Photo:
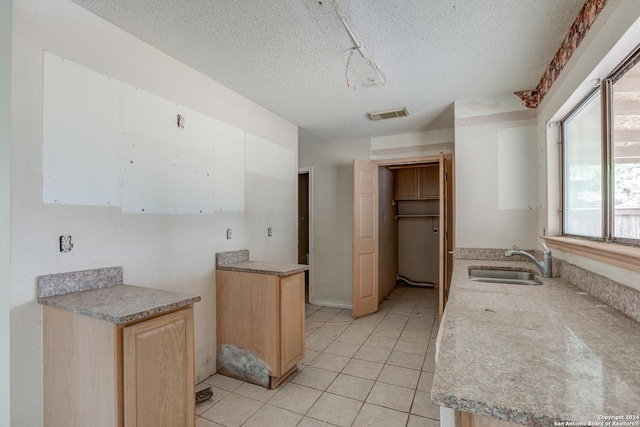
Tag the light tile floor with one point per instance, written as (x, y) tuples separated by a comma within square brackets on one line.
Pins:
[(373, 371)]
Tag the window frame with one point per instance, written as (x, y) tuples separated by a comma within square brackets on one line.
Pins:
[(605, 89)]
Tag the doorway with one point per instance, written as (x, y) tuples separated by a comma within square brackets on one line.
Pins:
[(417, 201), (426, 183), (304, 211)]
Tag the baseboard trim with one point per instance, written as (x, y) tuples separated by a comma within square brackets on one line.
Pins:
[(326, 303)]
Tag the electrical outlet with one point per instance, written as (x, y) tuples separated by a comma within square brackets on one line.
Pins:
[(269, 232), (228, 233), (65, 243)]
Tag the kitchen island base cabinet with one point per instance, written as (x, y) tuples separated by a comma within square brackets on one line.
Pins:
[(99, 373), (262, 317)]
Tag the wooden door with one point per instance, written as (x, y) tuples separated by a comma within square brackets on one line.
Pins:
[(303, 218), (159, 387), (291, 321), (365, 238), (303, 226), (449, 218), (446, 230)]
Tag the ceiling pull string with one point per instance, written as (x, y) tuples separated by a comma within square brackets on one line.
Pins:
[(346, 71)]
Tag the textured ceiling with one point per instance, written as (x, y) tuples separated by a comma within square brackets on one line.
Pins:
[(291, 56)]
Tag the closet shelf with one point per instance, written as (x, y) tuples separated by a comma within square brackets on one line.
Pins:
[(417, 216)]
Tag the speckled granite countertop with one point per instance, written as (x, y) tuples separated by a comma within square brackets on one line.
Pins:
[(535, 355), (239, 261), (99, 293), (271, 268)]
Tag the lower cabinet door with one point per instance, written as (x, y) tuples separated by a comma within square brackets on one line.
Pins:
[(158, 371), (291, 321), (473, 420)]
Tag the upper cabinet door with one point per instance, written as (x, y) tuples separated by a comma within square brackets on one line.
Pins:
[(417, 183), (428, 182), (406, 183)]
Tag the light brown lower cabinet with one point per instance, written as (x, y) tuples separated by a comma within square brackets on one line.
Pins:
[(262, 314), (97, 373), (473, 420)]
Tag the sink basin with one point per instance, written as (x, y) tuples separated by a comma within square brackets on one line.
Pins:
[(509, 277)]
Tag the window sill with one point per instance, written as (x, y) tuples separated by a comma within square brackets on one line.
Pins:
[(619, 255)]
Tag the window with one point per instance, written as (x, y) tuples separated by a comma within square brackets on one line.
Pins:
[(601, 160), (626, 154), (583, 170)]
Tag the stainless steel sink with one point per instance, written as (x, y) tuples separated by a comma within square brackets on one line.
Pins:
[(509, 277)]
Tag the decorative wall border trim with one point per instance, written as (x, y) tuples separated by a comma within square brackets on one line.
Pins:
[(581, 26)]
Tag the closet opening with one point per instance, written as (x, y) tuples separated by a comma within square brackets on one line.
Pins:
[(412, 251), (418, 214), (402, 228)]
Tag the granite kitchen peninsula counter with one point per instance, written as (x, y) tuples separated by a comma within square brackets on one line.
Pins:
[(101, 294), (239, 261), (535, 355)]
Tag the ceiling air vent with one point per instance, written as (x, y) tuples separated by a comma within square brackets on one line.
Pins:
[(388, 114)]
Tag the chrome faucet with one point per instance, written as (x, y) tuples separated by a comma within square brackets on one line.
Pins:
[(544, 265)]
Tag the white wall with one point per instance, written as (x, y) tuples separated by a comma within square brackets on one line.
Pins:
[(414, 144), (5, 137), (331, 255), (173, 252), (496, 178), (614, 35)]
